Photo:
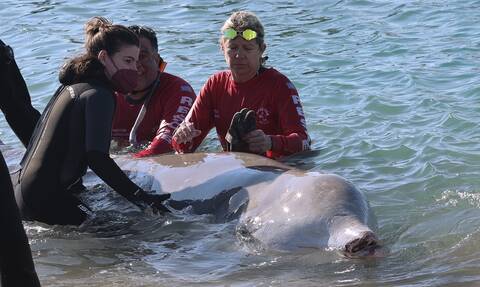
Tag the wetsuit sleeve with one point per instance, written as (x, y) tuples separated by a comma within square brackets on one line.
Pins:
[(111, 174), (99, 110), (202, 117), (15, 100), (294, 137), (98, 115), (180, 99)]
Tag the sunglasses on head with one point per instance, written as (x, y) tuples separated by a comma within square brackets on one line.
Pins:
[(247, 34)]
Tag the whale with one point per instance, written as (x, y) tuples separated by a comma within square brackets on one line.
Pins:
[(276, 206)]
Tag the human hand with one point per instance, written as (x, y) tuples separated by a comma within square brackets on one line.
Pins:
[(242, 123), (185, 132), (146, 200), (258, 141)]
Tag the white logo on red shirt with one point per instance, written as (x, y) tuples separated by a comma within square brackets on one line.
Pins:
[(187, 101), (298, 105), (306, 144), (262, 116), (182, 111), (186, 88), (291, 86)]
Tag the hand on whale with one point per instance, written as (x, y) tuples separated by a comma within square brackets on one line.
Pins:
[(185, 133), (146, 200)]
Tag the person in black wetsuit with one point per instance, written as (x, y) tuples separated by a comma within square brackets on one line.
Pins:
[(15, 102), (16, 264), (74, 131)]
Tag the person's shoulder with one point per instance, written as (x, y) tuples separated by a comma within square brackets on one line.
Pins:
[(274, 73), (221, 76), (217, 79), (90, 86), (167, 77), (279, 78), (174, 83), (93, 89)]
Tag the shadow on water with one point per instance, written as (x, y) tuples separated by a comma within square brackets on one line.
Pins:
[(43, 6)]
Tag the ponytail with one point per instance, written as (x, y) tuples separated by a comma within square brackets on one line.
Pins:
[(100, 34)]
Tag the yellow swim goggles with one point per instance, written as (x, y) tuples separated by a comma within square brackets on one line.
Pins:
[(247, 34)]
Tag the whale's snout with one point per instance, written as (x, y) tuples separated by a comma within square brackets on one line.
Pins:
[(367, 245)]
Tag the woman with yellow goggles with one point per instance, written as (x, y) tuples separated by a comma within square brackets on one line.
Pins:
[(274, 126), (247, 34)]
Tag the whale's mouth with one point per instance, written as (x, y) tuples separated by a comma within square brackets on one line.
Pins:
[(367, 245)]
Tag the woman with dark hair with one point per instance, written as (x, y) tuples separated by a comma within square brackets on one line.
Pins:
[(74, 131)]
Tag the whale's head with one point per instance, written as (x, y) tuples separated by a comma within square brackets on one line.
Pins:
[(320, 211)]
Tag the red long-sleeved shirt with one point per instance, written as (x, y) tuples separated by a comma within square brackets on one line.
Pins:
[(167, 108), (270, 94)]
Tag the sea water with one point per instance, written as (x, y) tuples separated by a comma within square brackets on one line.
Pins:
[(390, 91)]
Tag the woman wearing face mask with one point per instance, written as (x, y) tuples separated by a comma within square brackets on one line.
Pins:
[(74, 131), (280, 127)]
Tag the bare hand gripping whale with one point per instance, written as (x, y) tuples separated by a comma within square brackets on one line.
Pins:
[(278, 206)]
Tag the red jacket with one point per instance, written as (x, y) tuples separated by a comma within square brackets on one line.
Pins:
[(271, 95), (167, 108)]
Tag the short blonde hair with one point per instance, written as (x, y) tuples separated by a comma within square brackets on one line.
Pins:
[(242, 20)]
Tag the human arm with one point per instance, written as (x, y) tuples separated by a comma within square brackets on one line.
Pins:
[(111, 174), (98, 116), (294, 137), (179, 99), (15, 102), (290, 134), (198, 122)]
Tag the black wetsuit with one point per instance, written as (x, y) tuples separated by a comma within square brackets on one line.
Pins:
[(73, 133), (15, 100), (16, 264)]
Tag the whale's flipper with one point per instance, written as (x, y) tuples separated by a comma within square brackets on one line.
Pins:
[(225, 206)]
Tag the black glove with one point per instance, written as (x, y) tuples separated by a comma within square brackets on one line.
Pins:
[(155, 201), (242, 123)]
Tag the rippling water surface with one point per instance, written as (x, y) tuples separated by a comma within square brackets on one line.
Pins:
[(391, 94)]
